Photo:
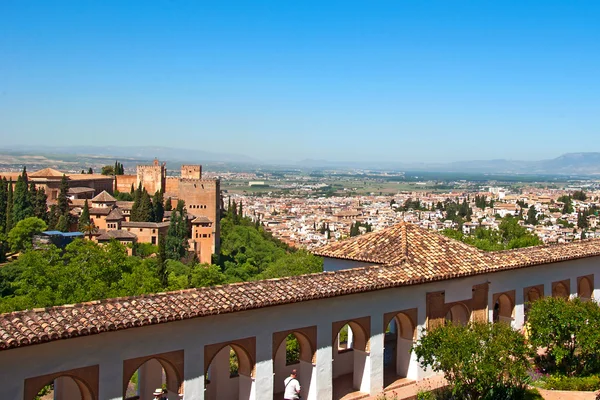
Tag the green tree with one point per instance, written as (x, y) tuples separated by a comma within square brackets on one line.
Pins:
[(168, 205), (177, 235), (580, 195), (144, 211), (62, 224), (88, 228), (19, 237), (84, 218), (62, 201), (479, 361), (90, 171), (158, 206), (297, 263), (9, 206), (22, 206), (569, 330), (203, 275), (108, 170), (161, 258), (3, 204), (40, 203), (532, 216)]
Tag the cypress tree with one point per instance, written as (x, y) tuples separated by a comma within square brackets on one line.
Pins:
[(3, 205), (241, 212), (90, 171), (40, 203), (62, 224), (84, 218), (168, 205), (22, 206), (175, 243), (158, 205), (63, 200), (132, 191), (52, 217), (146, 212)]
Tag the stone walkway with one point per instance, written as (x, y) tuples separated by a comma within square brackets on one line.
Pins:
[(564, 395)]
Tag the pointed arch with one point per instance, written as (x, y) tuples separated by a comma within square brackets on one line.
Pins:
[(458, 313), (86, 379), (171, 363), (585, 287), (561, 289)]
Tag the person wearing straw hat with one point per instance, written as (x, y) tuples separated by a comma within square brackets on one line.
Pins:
[(158, 394)]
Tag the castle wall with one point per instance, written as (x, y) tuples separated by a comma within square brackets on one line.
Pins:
[(124, 183), (172, 184), (152, 177), (191, 171)]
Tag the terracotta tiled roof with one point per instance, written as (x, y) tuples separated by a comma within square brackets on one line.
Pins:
[(46, 173), (100, 210), (201, 219), (404, 242), (116, 234), (140, 224), (104, 197), (415, 256), (114, 215), (125, 205)]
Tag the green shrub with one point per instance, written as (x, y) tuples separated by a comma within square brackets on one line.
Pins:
[(570, 331), (562, 382), (479, 361)]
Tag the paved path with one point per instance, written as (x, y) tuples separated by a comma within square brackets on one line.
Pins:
[(564, 395)]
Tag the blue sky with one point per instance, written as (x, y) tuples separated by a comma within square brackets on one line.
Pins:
[(287, 80)]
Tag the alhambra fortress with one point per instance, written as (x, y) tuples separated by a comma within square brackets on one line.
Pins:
[(202, 199), (381, 289)]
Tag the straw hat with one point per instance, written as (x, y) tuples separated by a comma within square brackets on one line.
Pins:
[(158, 392)]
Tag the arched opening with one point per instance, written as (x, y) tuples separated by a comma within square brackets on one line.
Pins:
[(398, 342), (229, 374), (503, 309), (532, 295), (64, 387), (458, 314), (152, 376), (294, 352), (350, 360), (560, 290), (585, 289)]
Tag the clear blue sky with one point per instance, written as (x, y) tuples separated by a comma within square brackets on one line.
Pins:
[(286, 80)]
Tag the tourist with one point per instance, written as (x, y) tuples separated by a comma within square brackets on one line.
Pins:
[(158, 394), (292, 387)]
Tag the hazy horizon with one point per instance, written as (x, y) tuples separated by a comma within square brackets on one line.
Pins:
[(430, 81)]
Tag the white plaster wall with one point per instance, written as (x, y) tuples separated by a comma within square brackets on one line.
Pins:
[(403, 356), (221, 385), (65, 388), (282, 371), (337, 264), (343, 363), (110, 349)]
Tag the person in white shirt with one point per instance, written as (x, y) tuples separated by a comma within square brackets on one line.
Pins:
[(292, 387)]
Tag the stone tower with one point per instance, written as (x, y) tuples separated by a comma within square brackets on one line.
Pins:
[(191, 172), (152, 177)]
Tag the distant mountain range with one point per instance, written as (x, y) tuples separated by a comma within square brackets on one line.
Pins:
[(566, 164), (138, 153)]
